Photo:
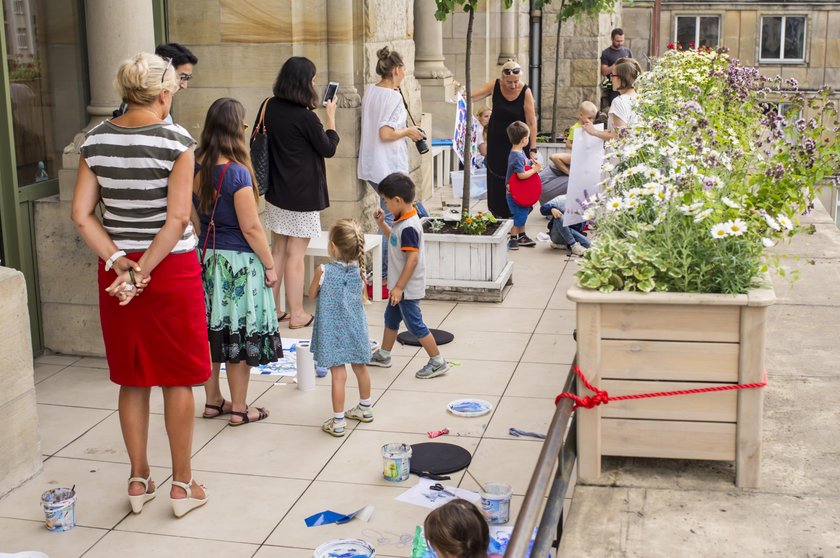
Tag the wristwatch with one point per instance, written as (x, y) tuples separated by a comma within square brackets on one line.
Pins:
[(109, 263)]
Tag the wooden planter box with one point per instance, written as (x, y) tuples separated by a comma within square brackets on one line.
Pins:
[(629, 343), (468, 267)]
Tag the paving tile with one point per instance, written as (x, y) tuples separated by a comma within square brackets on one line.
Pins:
[(359, 460), (101, 490), (557, 322), (540, 380), (375, 332), (267, 551), (524, 413), (289, 405), (505, 320), (552, 349), (79, 387), (59, 425), (143, 545), (63, 360), (242, 508), (19, 535), (380, 378), (256, 388), (480, 377), (420, 412), (44, 371), (390, 530), (524, 297), (104, 442), (92, 362), (509, 461), (274, 450), (487, 345)]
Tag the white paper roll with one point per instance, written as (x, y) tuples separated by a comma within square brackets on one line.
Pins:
[(305, 367)]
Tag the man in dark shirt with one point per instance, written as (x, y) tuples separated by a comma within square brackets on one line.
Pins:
[(609, 57)]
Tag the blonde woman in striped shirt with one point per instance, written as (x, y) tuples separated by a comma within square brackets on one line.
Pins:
[(140, 168)]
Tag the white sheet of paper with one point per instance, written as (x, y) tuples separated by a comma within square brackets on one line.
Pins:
[(421, 495), (585, 173)]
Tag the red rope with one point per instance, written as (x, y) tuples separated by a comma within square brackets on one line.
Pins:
[(601, 397)]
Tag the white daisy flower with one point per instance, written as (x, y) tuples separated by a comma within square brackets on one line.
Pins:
[(729, 203), (702, 215), (631, 203), (588, 214), (785, 221), (614, 204), (736, 227), (719, 230), (772, 223), (767, 242)]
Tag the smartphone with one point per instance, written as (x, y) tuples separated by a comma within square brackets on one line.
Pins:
[(332, 88)]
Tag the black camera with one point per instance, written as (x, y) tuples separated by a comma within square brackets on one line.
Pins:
[(421, 144)]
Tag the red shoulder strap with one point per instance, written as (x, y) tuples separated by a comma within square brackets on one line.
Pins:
[(212, 225)]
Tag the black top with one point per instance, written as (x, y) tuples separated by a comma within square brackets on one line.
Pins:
[(610, 55), (504, 114), (297, 146)]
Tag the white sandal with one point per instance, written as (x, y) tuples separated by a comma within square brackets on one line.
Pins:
[(183, 506), (139, 500)]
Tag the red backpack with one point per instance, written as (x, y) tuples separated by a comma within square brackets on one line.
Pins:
[(525, 192)]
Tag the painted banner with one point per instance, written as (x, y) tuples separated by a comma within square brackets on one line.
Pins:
[(459, 136), (584, 175)]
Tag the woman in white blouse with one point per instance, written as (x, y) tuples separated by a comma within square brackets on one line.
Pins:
[(382, 149), (623, 108)]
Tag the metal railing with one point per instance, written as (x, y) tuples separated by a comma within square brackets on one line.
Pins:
[(560, 445)]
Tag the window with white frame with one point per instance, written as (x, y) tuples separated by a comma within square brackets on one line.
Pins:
[(19, 7), (782, 39), (697, 31), (22, 38)]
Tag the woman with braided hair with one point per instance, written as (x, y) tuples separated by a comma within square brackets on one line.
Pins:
[(340, 335)]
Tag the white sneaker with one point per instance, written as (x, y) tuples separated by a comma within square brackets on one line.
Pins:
[(577, 249)]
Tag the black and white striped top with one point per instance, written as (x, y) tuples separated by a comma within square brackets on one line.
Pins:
[(132, 166)]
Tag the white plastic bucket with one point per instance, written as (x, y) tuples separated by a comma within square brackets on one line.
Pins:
[(478, 184), (396, 462), (59, 506), (495, 501)]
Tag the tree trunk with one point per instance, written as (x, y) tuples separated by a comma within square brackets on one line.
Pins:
[(465, 198), (556, 75)]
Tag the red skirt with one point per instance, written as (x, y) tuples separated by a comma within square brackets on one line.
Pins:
[(160, 337)]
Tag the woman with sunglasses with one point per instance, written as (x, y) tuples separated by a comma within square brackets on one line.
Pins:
[(512, 101)]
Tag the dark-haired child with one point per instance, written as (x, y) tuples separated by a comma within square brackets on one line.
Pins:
[(519, 135), (457, 530)]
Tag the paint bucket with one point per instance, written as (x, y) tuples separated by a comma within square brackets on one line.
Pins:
[(396, 462), (495, 501), (59, 508)]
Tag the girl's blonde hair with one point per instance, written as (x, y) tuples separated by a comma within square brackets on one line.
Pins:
[(142, 78), (478, 114), (349, 240), (459, 529)]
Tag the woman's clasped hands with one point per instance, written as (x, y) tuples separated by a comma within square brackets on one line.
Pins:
[(130, 281)]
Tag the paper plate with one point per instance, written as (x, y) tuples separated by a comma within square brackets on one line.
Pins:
[(469, 407), (345, 548)]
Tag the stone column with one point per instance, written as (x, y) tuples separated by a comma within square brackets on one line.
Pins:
[(116, 30), (507, 28), (340, 51), (434, 77)]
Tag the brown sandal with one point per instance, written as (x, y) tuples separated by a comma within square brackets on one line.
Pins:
[(220, 410), (263, 414)]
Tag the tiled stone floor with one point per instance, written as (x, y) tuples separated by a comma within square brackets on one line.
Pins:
[(263, 479)]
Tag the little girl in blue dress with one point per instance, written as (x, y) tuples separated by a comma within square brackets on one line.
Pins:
[(340, 335)]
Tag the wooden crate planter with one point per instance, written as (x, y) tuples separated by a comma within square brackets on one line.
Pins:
[(468, 267), (630, 343)]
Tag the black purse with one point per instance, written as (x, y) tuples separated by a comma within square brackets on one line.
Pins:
[(259, 150)]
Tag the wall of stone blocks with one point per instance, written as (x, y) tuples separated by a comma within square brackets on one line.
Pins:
[(20, 458)]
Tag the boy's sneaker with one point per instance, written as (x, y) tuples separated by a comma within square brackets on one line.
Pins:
[(557, 246), (577, 249), (334, 427), (525, 240), (360, 413), (378, 359), (432, 370), (513, 243)]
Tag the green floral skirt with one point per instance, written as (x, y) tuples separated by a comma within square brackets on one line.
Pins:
[(241, 317)]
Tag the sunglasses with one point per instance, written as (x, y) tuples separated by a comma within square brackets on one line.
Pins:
[(163, 75), (511, 71)]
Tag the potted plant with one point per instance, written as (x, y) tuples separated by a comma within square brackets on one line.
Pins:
[(673, 293)]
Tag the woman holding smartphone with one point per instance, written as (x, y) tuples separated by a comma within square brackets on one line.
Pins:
[(297, 191)]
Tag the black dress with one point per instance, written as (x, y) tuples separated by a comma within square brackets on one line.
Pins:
[(498, 147)]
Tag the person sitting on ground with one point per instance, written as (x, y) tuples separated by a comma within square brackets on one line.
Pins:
[(457, 529), (340, 335), (562, 236), (586, 113), (519, 136), (406, 275)]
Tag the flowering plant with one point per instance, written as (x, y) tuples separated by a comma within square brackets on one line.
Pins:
[(710, 176), (476, 224)]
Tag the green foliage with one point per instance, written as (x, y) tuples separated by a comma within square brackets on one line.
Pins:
[(446, 7), (578, 9), (476, 224), (707, 178)]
